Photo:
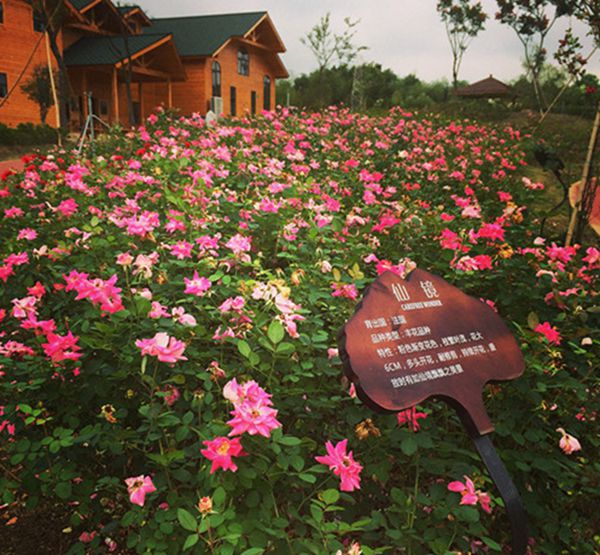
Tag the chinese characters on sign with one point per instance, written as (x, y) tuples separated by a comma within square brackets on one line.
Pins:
[(419, 337)]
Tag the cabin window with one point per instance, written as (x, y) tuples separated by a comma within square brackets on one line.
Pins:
[(3, 85), (216, 79), (243, 62), (103, 108), (253, 102), (233, 101), (267, 93), (39, 21), (1, 12)]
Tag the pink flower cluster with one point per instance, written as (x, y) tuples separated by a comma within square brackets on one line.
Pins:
[(548, 331), (138, 487), (10, 262), (253, 414), (342, 464), (197, 285), (470, 496), (568, 443), (346, 290), (221, 450), (5, 424), (97, 291), (253, 411), (411, 417), (61, 347), (165, 348)]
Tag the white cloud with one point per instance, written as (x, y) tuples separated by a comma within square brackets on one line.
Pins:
[(404, 35)]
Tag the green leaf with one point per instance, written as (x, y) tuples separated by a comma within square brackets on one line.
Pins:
[(316, 512), (285, 348), (409, 446), (187, 520), (491, 543), (244, 348), (254, 551), (275, 332), (289, 440), (191, 541), (219, 496), (330, 496), (308, 478), (63, 490), (468, 514)]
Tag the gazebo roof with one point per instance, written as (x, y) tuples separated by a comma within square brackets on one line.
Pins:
[(489, 87)]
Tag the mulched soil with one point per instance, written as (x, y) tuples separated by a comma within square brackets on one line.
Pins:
[(34, 532)]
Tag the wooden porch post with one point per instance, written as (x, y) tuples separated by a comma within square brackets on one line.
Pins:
[(115, 95), (53, 86), (141, 100), (169, 93)]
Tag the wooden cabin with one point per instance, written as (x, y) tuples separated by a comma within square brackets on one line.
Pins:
[(227, 63)]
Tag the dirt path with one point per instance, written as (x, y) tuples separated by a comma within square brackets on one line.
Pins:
[(16, 165)]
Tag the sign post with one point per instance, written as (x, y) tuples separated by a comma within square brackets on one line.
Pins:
[(419, 337)]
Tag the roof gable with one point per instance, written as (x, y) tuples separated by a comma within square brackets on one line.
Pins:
[(134, 11), (90, 51), (203, 35)]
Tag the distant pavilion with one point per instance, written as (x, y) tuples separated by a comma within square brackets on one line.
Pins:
[(489, 87)]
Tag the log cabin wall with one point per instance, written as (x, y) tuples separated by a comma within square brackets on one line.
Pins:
[(189, 96), (19, 39), (155, 95), (244, 84)]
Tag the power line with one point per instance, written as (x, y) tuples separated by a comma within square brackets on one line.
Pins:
[(12, 89), (48, 23)]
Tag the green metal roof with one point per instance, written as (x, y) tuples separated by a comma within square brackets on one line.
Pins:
[(80, 4), (96, 51), (202, 35)]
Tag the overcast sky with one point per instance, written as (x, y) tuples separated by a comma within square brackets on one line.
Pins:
[(403, 35)]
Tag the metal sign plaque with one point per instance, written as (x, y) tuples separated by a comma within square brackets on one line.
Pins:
[(420, 337)]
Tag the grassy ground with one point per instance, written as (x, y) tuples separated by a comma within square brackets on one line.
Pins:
[(568, 136)]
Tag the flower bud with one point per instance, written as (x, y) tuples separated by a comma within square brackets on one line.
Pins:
[(205, 505)]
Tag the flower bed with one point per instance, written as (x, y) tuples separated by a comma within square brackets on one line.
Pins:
[(169, 310)]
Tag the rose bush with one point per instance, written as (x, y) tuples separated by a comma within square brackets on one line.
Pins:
[(169, 308)]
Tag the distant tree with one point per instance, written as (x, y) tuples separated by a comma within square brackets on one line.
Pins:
[(327, 87), (328, 46), (285, 93), (38, 89), (530, 21), (53, 13), (463, 20), (588, 11), (379, 85)]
